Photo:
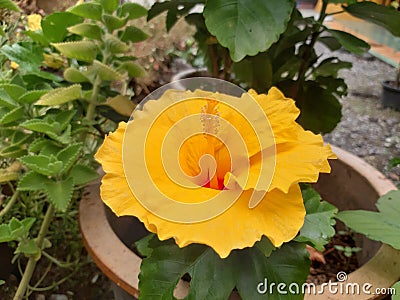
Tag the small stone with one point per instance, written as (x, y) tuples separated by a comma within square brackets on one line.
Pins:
[(58, 297)]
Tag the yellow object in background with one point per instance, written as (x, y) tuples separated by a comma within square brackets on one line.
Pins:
[(34, 22)]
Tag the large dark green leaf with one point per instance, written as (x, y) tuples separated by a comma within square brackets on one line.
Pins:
[(331, 67), (381, 226), (384, 16), (60, 193), (28, 56), (55, 25), (215, 278), (133, 10), (247, 27), (255, 71), (318, 223), (350, 42), (89, 10)]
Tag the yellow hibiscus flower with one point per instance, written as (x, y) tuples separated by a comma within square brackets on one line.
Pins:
[(213, 169)]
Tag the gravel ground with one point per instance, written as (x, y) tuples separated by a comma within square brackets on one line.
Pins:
[(367, 129)]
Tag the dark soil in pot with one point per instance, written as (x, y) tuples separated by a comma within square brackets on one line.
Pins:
[(391, 95)]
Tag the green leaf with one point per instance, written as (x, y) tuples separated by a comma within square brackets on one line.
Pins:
[(331, 67), (87, 30), (134, 70), (396, 295), (12, 116), (61, 95), (90, 10), (40, 125), (42, 164), (318, 224), (143, 245), (12, 152), (64, 118), (81, 50), (9, 4), (340, 1), (28, 56), (109, 5), (32, 96), (27, 247), (247, 27), (83, 174), (105, 72), (13, 90), (38, 144), (60, 193), (2, 282), (55, 25), (289, 264), (37, 36), (73, 75), (69, 155), (330, 42), (5, 233), (6, 100), (114, 45), (112, 22), (32, 181), (20, 229), (132, 34), (64, 138), (215, 278), (384, 16), (381, 226), (394, 162), (350, 42), (133, 10)]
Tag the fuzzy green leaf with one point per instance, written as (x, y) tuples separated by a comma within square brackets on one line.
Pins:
[(55, 25), (87, 30), (83, 174), (350, 42), (42, 164), (32, 96), (318, 224), (69, 155), (89, 10), (134, 70), (6, 100), (115, 45), (60, 193), (132, 34), (385, 16), (28, 56), (112, 22), (9, 4), (381, 226), (32, 181), (61, 95), (12, 152), (247, 27), (40, 125), (81, 50), (12, 116), (396, 295), (121, 104), (109, 5), (64, 138), (28, 247), (105, 72), (10, 173), (39, 144), (73, 75), (5, 233), (64, 118), (133, 10)]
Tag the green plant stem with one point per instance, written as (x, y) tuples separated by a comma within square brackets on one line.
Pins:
[(9, 204), (93, 99), (30, 267), (307, 53)]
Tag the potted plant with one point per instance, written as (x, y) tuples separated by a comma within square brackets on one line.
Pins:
[(391, 92), (58, 88)]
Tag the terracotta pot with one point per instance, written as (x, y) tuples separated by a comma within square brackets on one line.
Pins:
[(353, 184)]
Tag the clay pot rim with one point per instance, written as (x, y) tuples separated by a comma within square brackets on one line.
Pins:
[(122, 265)]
